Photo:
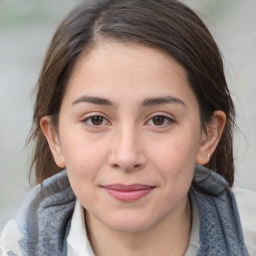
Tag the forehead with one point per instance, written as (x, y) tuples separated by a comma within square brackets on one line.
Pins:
[(133, 69)]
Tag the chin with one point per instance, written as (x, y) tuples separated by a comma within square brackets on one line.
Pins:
[(130, 224)]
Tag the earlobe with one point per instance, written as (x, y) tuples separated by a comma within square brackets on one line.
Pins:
[(211, 137), (52, 137)]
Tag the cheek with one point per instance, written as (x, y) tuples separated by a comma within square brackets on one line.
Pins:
[(175, 158), (178, 149), (84, 162), (84, 158)]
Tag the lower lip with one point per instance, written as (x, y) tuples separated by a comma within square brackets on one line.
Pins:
[(130, 195)]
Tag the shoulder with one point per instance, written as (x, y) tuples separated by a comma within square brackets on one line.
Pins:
[(9, 239), (246, 203), (43, 217)]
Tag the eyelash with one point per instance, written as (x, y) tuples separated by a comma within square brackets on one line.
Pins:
[(166, 121), (103, 121), (89, 121)]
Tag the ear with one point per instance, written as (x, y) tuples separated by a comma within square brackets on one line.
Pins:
[(52, 137), (211, 137)]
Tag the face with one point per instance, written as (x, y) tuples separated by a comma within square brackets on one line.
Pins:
[(129, 135)]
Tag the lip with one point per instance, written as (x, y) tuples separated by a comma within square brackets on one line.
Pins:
[(128, 193)]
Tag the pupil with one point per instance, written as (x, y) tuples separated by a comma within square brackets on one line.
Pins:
[(158, 120), (97, 120)]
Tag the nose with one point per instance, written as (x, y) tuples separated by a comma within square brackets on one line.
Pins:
[(127, 151)]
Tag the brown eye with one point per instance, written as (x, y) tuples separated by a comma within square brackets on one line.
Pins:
[(161, 121), (97, 120), (158, 120)]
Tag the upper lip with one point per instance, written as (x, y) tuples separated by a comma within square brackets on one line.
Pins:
[(122, 187)]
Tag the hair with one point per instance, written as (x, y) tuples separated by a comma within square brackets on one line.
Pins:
[(167, 25)]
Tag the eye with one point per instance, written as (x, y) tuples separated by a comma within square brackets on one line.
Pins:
[(160, 120), (95, 121)]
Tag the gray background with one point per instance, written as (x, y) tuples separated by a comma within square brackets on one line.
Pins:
[(26, 27)]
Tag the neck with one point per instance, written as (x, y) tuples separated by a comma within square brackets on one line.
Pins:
[(168, 237)]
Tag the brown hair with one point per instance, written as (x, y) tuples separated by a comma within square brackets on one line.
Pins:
[(167, 25)]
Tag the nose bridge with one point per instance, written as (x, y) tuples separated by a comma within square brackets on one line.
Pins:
[(127, 150)]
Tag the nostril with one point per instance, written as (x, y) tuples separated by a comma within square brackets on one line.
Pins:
[(126, 166), (116, 166)]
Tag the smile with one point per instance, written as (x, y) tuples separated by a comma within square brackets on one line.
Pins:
[(128, 193)]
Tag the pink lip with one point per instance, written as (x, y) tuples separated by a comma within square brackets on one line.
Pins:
[(128, 193)]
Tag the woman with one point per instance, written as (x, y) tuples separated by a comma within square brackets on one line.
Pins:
[(133, 139)]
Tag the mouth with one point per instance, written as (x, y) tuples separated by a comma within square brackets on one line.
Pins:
[(128, 193)]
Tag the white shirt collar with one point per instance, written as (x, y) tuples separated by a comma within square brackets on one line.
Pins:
[(77, 240), (194, 243)]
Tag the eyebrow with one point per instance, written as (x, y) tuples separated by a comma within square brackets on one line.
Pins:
[(162, 100), (146, 102), (94, 100)]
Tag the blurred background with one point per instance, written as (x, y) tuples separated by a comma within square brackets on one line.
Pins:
[(26, 27)]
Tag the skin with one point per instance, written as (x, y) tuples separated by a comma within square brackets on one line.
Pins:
[(129, 116)]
